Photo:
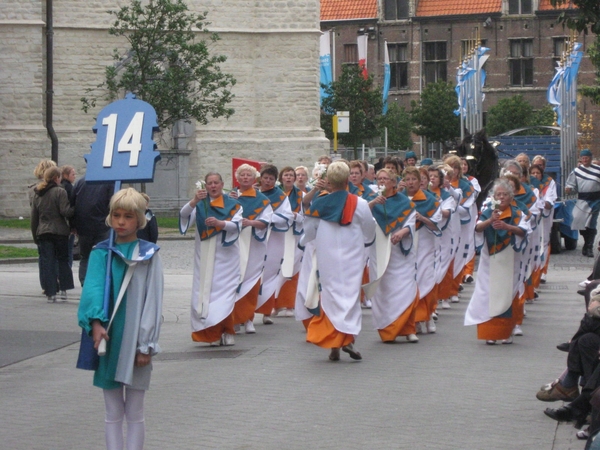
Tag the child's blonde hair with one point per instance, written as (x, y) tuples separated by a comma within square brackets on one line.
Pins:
[(130, 200)]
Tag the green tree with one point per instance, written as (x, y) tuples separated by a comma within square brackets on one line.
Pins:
[(399, 125), (166, 64), (516, 112), (356, 95), (433, 116), (508, 114)]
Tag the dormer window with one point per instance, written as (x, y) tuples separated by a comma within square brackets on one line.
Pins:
[(518, 7)]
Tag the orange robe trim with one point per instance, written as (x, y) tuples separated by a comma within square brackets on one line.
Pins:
[(287, 294), (403, 325), (215, 332), (321, 332), (497, 328), (244, 308)]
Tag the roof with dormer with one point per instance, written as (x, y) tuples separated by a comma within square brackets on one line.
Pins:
[(348, 10)]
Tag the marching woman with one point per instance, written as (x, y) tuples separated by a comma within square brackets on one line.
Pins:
[(547, 193), (501, 230), (256, 213), (341, 225), (470, 264), (396, 296), (302, 179), (447, 226), (281, 221), (216, 261), (286, 299), (428, 215), (464, 194)]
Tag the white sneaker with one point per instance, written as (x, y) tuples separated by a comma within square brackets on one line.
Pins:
[(431, 328), (468, 279), (434, 316), (249, 326), (51, 298), (454, 299), (419, 327), (267, 320), (217, 343), (412, 338), (508, 341), (584, 283), (289, 312), (543, 278), (445, 304), (228, 339), (518, 331), (368, 304)]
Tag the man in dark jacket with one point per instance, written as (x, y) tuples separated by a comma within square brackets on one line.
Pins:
[(91, 203)]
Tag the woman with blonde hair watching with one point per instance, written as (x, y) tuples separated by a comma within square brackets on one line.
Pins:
[(50, 210)]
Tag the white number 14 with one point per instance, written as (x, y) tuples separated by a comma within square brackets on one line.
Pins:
[(131, 141)]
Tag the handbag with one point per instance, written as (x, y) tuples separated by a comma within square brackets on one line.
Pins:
[(88, 358)]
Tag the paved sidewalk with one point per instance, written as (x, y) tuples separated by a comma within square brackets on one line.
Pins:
[(272, 390)]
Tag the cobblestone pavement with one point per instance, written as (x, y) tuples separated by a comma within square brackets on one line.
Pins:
[(272, 390)]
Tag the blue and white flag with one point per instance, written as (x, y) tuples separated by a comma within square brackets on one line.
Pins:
[(386, 78), (325, 62)]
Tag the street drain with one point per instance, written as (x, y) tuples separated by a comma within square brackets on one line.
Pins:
[(207, 354)]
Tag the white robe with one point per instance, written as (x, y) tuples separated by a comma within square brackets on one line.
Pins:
[(397, 287), (257, 253), (446, 241), (426, 248), (478, 310), (341, 261), (271, 281), (226, 275)]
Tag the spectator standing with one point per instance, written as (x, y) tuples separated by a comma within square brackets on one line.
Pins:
[(91, 202), (49, 213), (68, 178)]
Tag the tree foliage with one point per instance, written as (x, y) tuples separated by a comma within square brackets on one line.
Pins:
[(167, 64), (585, 15), (399, 125), (516, 112), (356, 95), (433, 116)]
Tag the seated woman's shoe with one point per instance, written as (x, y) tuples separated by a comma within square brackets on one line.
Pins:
[(554, 392)]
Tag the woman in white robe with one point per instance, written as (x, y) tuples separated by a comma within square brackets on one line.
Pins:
[(396, 297), (216, 261), (500, 231), (341, 224)]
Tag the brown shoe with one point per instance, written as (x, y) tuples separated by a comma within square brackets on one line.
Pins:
[(352, 352), (555, 392)]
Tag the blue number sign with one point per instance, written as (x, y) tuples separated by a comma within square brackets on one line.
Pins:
[(124, 150)]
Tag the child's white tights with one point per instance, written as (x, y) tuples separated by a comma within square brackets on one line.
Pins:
[(129, 406)]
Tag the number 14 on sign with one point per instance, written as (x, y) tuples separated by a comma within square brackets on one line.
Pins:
[(131, 141)]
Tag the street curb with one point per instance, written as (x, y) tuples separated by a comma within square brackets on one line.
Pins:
[(4, 261)]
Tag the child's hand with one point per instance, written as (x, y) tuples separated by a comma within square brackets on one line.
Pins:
[(142, 360), (98, 333)]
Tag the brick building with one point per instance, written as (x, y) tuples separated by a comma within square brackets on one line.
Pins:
[(427, 39), (272, 50)]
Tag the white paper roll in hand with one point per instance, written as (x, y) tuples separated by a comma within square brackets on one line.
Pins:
[(102, 348)]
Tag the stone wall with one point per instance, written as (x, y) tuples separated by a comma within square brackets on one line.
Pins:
[(272, 50)]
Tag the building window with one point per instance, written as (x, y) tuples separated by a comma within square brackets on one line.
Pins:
[(398, 66), (435, 62), (350, 54), (560, 46), (395, 9), (520, 7), (465, 45), (521, 62)]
